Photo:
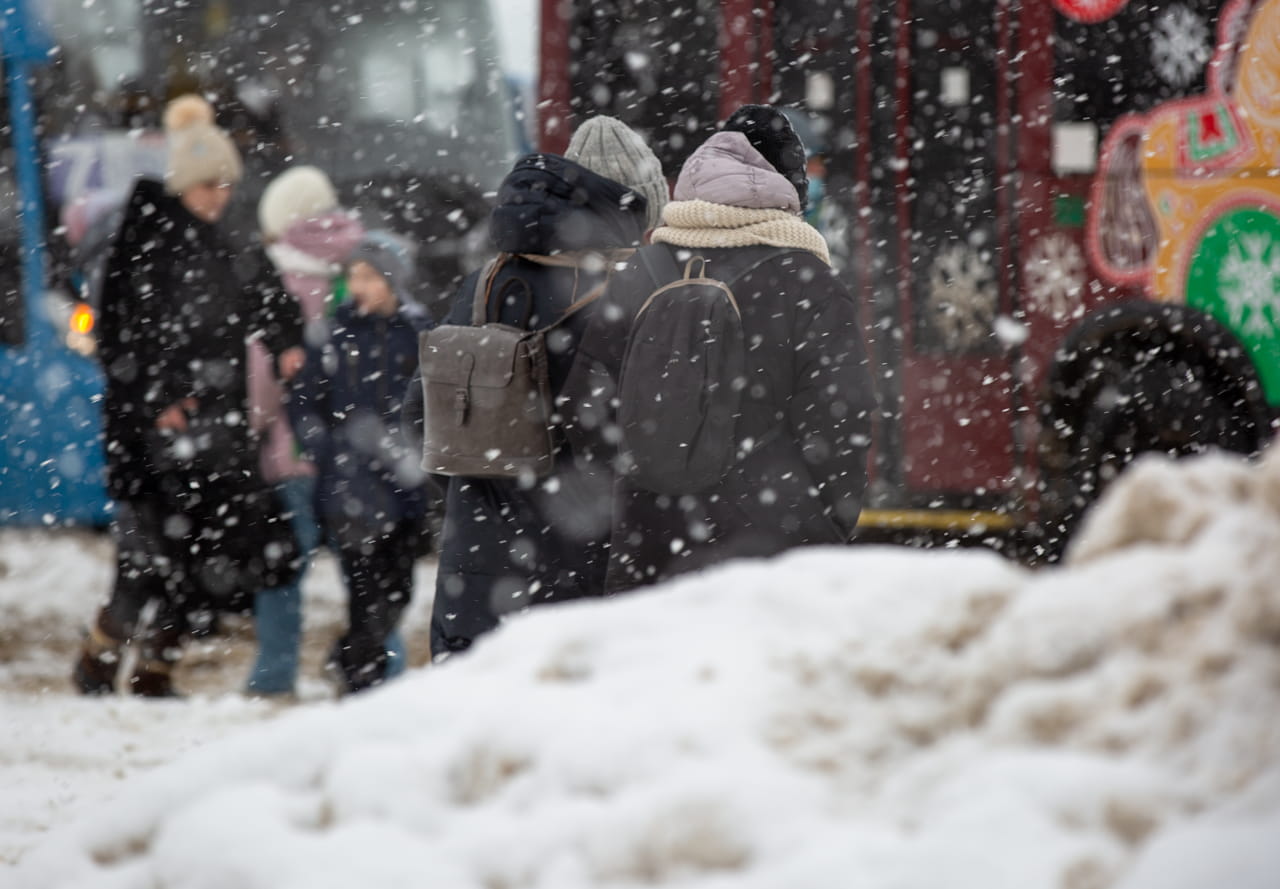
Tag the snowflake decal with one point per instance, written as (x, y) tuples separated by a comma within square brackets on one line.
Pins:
[(1249, 283), (1180, 45), (962, 297), (1054, 276)]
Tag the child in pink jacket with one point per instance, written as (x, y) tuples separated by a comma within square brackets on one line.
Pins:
[(309, 238)]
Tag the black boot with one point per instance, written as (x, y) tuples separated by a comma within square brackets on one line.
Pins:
[(99, 661), (159, 652), (153, 679)]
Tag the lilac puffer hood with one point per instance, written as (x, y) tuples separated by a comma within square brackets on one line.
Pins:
[(727, 170)]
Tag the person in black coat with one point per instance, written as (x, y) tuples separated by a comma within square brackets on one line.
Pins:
[(559, 228), (194, 522), (345, 409), (807, 400)]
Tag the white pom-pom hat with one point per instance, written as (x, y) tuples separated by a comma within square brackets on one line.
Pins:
[(199, 152), (296, 195)]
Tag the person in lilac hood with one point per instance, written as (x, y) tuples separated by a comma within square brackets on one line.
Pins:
[(309, 238), (807, 401)]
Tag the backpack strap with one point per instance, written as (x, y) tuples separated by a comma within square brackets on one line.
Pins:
[(591, 296), (661, 265), (484, 284), (577, 258), (738, 276)]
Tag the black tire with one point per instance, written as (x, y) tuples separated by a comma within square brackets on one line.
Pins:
[(1139, 378)]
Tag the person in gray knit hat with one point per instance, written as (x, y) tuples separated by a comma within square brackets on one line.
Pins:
[(608, 147), (394, 257), (345, 408)]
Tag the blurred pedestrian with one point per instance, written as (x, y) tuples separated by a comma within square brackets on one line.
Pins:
[(194, 522), (797, 467), (345, 407), (309, 238), (560, 227)]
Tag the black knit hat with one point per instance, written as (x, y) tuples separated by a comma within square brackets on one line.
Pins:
[(771, 134)]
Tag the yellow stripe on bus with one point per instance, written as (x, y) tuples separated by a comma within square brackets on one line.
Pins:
[(936, 519)]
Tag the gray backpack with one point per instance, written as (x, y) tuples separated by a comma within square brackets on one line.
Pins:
[(680, 385), (486, 392)]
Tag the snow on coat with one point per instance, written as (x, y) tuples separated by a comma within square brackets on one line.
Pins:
[(177, 306)]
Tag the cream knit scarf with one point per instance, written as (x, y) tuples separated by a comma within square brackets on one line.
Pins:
[(704, 224)]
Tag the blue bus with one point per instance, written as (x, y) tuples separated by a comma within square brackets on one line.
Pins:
[(402, 102)]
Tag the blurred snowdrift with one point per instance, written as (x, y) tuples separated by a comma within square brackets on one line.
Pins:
[(866, 717)]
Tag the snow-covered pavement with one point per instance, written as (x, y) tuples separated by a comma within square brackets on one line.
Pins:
[(61, 753), (873, 717)]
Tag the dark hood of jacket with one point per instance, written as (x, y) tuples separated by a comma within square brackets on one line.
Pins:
[(549, 204)]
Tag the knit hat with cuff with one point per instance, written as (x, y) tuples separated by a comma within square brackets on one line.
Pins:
[(609, 148)]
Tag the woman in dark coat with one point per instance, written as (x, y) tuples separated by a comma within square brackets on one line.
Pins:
[(193, 519), (808, 399), (507, 545)]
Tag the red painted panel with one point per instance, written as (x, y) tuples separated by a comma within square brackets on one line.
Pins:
[(737, 44), (956, 427), (554, 92)]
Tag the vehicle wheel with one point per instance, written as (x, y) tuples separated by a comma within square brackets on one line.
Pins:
[(1136, 394)]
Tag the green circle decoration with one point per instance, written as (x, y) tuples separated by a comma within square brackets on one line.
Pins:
[(1234, 275)]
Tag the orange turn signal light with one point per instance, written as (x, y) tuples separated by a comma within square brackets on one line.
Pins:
[(81, 319)]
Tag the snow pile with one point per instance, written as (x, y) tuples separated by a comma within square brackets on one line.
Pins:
[(866, 717)]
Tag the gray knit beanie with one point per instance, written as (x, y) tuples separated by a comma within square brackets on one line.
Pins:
[(394, 257), (608, 147)]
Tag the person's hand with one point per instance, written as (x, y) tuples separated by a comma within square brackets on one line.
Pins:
[(291, 361), (174, 417)]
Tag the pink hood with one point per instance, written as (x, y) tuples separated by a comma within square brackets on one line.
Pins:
[(727, 170)]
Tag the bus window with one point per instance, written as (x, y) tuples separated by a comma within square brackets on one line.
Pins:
[(1147, 53), (652, 64), (12, 326), (813, 70), (954, 255), (99, 50)]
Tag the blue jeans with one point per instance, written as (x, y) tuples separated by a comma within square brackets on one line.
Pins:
[(277, 613)]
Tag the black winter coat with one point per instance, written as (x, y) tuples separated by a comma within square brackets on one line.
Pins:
[(505, 546), (345, 409), (177, 306), (809, 398)]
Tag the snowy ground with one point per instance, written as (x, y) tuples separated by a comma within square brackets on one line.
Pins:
[(871, 717), (60, 753)]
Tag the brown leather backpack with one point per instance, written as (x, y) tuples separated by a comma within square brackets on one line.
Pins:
[(486, 393)]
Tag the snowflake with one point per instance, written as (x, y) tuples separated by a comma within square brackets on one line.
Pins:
[(1249, 283), (1179, 45), (962, 297), (1054, 275)]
